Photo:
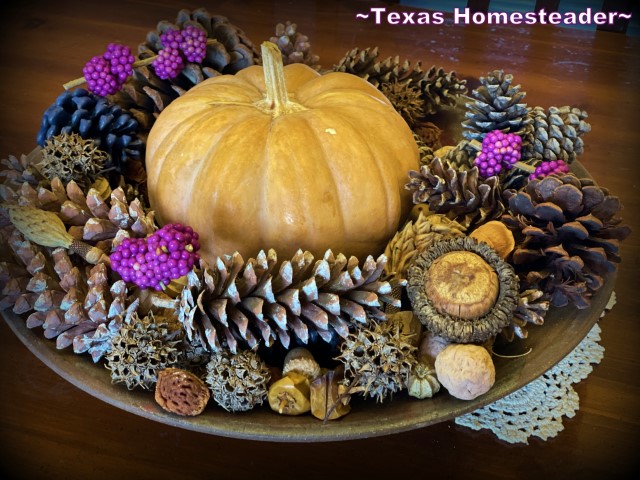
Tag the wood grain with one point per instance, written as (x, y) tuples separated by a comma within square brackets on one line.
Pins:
[(50, 429)]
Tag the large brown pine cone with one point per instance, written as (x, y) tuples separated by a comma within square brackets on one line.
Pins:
[(568, 234)]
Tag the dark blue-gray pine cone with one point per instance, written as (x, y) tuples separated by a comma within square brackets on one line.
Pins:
[(110, 127)]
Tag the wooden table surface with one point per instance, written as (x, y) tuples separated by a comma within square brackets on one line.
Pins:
[(50, 429)]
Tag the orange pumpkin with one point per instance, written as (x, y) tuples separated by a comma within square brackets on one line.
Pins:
[(282, 158)]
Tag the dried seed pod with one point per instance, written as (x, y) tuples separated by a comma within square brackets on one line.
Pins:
[(290, 395), (410, 326), (300, 360), (465, 370), (423, 382), (328, 399), (181, 392)]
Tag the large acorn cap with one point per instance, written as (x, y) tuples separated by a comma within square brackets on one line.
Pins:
[(461, 289)]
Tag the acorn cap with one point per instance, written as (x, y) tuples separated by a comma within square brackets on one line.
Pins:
[(462, 284), (449, 313)]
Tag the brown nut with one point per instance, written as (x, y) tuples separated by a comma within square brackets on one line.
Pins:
[(465, 370), (300, 360), (181, 392)]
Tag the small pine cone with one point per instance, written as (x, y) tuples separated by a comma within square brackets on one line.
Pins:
[(236, 304), (567, 232), (229, 50), (461, 156), (295, 46), (532, 308), (112, 129), (440, 88), (238, 382), (14, 172), (366, 64), (415, 237), (66, 300), (425, 151), (142, 348), (557, 133), (377, 359), (70, 157), (498, 106), (460, 195)]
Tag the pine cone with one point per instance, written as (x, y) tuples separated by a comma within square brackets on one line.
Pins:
[(66, 300), (98, 216), (238, 383), (229, 50), (461, 156), (532, 308), (557, 133), (142, 348), (498, 106), (295, 46), (460, 195), (366, 64), (234, 304), (440, 88), (378, 359), (567, 236), (17, 171), (415, 237), (110, 127)]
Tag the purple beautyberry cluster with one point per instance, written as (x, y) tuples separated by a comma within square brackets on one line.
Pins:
[(189, 44), (153, 262), (105, 74), (549, 168), (499, 150)]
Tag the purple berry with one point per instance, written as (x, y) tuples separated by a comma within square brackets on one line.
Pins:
[(501, 150), (168, 64), (120, 61), (100, 80), (549, 168), (193, 44)]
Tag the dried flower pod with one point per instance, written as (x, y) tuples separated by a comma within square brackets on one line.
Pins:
[(300, 360), (423, 382), (291, 395), (181, 392), (497, 235), (328, 398), (466, 328), (465, 370)]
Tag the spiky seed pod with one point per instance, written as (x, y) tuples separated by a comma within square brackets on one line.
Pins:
[(568, 234), (112, 129), (229, 50), (460, 195), (368, 65), (238, 382), (532, 309), (70, 157), (295, 46), (142, 348), (428, 133), (457, 328), (440, 88), (377, 359), (66, 300), (234, 304), (557, 133), (405, 98), (498, 106), (415, 237)]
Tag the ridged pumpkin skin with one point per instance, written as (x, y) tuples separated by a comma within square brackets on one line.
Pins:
[(328, 172)]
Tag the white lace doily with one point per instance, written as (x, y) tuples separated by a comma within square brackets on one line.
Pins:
[(537, 408)]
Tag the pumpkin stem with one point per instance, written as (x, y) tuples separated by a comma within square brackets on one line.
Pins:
[(277, 100)]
